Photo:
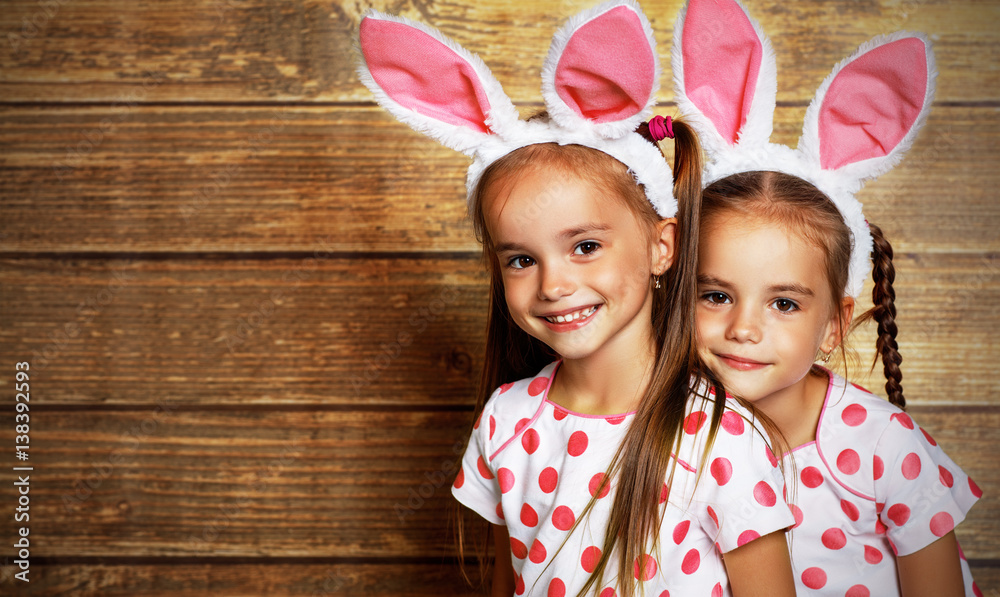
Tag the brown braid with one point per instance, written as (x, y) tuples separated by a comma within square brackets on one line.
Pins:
[(884, 313)]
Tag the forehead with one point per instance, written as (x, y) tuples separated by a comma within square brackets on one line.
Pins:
[(759, 250)]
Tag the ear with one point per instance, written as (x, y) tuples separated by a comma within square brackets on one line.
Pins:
[(665, 245), (840, 322), (725, 75), (868, 111), (431, 83), (602, 71)]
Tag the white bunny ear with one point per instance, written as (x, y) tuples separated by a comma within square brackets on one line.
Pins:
[(725, 74), (868, 111), (431, 83), (602, 71)]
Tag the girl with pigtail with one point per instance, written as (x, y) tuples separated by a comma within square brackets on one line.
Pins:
[(783, 251), (601, 457)]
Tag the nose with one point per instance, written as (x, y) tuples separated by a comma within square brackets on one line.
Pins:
[(556, 282), (745, 324)]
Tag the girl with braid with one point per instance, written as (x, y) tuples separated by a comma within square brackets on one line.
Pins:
[(784, 250)]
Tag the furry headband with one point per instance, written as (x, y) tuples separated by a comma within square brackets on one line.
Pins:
[(599, 83), (864, 116)]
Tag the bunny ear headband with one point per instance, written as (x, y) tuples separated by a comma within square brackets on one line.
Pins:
[(865, 115), (599, 83)]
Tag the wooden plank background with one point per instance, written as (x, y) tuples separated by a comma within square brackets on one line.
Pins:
[(253, 306)]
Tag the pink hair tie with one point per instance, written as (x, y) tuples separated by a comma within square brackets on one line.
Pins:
[(661, 128)]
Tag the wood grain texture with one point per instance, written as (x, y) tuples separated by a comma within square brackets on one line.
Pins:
[(359, 331), (286, 179), (368, 484), (223, 50)]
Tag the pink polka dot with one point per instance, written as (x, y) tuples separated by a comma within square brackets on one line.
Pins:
[(928, 437), (850, 510), (548, 479), (722, 470), (692, 559), (878, 467), (694, 421), (942, 523), (595, 484), (854, 415), (811, 477), (814, 578), (858, 591), (834, 539), (880, 527), (518, 584), (665, 594), (493, 426), (559, 414), (903, 419), (517, 548), (506, 387), (589, 558), (563, 518), (608, 592), (478, 420), (520, 425), (459, 479), (770, 457), (975, 488), (712, 515), (506, 479), (538, 385), (615, 420), (764, 495), (528, 516), (577, 443), (537, 552), (483, 469), (872, 555), (664, 493), (899, 514), (945, 476), (717, 590), (911, 466), (530, 441), (732, 423), (645, 568), (681, 531), (848, 462), (557, 588), (879, 506), (797, 513), (500, 511), (746, 537)]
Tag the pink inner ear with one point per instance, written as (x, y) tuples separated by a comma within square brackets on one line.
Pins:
[(607, 70), (872, 103), (422, 74), (722, 58)]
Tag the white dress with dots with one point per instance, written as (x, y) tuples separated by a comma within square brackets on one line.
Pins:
[(872, 485), (534, 466)]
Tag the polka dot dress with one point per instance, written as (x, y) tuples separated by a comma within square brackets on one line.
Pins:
[(534, 466), (872, 486)]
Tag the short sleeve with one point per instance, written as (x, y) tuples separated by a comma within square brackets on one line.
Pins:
[(920, 493), (476, 485), (742, 489)]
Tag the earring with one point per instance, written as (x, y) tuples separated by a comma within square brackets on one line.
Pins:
[(826, 357), (656, 282)]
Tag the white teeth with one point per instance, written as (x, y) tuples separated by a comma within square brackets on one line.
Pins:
[(585, 313)]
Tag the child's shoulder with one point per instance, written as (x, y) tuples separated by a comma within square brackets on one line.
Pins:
[(524, 395), (853, 414)]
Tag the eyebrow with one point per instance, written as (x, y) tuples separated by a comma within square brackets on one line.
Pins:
[(567, 234), (704, 280)]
